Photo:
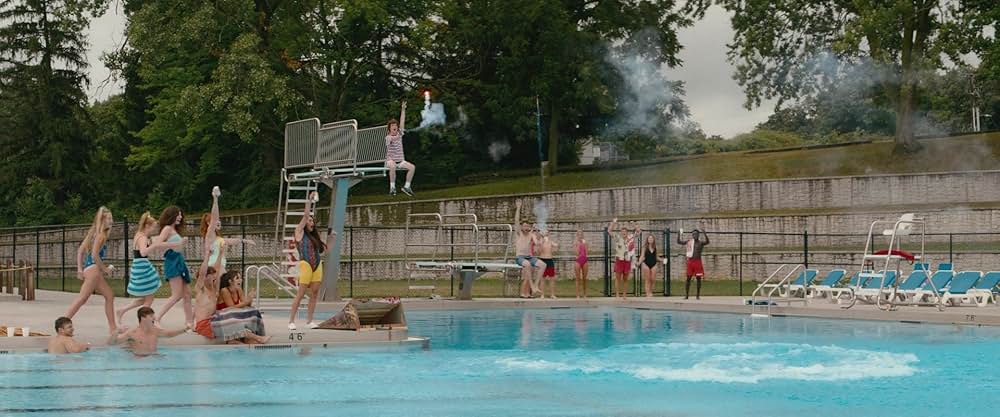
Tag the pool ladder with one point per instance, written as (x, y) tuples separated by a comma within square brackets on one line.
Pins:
[(776, 287)]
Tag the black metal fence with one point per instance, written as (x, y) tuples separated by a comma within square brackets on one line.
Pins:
[(374, 262)]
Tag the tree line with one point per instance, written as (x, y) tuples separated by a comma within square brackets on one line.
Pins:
[(208, 86)]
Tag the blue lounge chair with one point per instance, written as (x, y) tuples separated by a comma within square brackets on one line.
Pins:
[(960, 286), (940, 280), (915, 281), (986, 289), (876, 285), (830, 281), (805, 277)]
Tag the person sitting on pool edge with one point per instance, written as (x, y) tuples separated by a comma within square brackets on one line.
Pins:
[(63, 341), (144, 339)]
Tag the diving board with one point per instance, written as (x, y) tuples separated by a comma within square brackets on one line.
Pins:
[(467, 272), (483, 240)]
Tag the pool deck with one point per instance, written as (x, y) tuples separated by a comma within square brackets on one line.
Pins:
[(91, 326)]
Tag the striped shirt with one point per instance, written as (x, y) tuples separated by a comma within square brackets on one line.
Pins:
[(394, 147)]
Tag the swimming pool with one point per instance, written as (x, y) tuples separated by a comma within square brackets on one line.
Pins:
[(552, 362)]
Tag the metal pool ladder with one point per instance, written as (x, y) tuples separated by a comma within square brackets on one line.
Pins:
[(775, 287)]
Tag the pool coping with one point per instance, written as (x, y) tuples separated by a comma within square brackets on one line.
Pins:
[(91, 326)]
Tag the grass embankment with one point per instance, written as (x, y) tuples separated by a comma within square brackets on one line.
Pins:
[(482, 288), (962, 153)]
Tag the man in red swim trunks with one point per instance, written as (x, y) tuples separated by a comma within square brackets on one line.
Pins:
[(692, 251)]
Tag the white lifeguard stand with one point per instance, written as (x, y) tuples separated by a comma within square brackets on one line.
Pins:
[(338, 155), (885, 298)]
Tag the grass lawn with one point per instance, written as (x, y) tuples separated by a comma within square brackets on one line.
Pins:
[(481, 288), (964, 153)]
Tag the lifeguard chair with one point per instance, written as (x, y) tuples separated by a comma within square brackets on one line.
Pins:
[(338, 155)]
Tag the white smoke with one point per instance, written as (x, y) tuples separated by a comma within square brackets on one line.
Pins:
[(498, 150), (541, 212), (648, 102), (432, 115)]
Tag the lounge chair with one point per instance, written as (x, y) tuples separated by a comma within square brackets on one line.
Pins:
[(940, 279), (986, 289), (800, 284), (835, 292), (959, 287), (806, 276), (913, 282), (830, 281), (876, 285)]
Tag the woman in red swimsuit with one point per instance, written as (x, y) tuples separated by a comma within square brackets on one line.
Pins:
[(231, 292)]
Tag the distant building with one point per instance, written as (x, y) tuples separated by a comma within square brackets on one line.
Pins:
[(593, 152)]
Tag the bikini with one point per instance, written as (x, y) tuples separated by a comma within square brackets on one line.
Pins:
[(222, 305)]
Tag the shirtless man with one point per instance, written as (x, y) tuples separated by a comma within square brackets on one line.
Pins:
[(63, 341), (207, 293), (522, 249), (145, 338), (545, 252)]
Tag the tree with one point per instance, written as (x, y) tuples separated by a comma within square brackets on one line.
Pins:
[(505, 54), (785, 49), (42, 64)]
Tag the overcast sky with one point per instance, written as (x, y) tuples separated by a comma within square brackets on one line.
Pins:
[(715, 100)]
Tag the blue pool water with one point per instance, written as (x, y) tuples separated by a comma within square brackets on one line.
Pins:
[(560, 362)]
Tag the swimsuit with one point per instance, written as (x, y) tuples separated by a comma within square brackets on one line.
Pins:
[(649, 259), (220, 305), (581, 256), (89, 260), (550, 267), (143, 279), (310, 266), (173, 263), (217, 251)]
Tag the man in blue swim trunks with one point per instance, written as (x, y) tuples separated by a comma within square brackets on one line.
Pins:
[(530, 264)]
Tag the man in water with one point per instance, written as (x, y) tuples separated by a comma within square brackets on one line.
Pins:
[(692, 251), (145, 338), (522, 249), (63, 341)]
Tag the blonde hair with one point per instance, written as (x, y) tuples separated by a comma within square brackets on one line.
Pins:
[(144, 222), (96, 230)]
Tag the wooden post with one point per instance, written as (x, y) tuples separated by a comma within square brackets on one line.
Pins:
[(29, 280), (8, 280)]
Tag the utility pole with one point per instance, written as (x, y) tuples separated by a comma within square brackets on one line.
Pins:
[(538, 127)]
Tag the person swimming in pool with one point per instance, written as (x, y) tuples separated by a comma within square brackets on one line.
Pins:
[(63, 341), (144, 339)]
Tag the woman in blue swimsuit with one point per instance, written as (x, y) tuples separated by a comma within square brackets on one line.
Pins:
[(175, 269), (91, 269)]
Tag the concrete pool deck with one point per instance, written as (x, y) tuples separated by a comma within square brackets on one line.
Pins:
[(91, 326)]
